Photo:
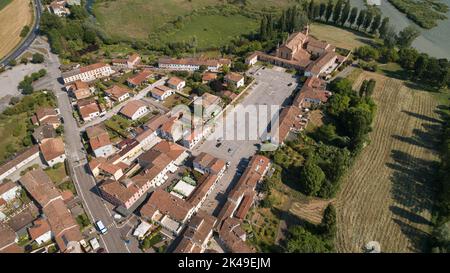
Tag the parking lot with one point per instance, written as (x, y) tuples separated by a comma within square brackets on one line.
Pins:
[(273, 88)]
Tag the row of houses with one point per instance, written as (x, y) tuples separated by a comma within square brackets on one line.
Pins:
[(192, 64)]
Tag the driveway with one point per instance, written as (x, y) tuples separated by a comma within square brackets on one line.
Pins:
[(272, 89)]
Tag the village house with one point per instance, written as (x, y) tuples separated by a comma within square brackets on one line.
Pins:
[(176, 83), (168, 211), (198, 233), (206, 163), (134, 109), (89, 109), (99, 141), (233, 237), (9, 191), (46, 115), (211, 105), (101, 166), (64, 228), (43, 133), (53, 151), (59, 8), (252, 59), (88, 73), (139, 79), (79, 90), (206, 185), (162, 92), (192, 64), (313, 91), (8, 240), (117, 93), (234, 78), (40, 232), (130, 63), (20, 160), (208, 77)]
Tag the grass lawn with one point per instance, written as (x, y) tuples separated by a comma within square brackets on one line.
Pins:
[(175, 100), (339, 37), (118, 124), (57, 174), (212, 31)]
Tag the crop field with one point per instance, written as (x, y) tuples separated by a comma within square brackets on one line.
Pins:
[(13, 17), (137, 19), (212, 31), (388, 194), (339, 37)]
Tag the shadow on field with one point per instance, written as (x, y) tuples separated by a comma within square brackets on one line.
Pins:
[(419, 239), (413, 187)]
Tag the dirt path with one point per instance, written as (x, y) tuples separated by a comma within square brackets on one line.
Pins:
[(388, 194)]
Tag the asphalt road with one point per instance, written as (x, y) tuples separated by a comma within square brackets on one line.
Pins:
[(30, 38), (85, 184), (271, 89)]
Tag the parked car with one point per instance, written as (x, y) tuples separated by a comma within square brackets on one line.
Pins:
[(94, 243), (101, 227), (218, 144)]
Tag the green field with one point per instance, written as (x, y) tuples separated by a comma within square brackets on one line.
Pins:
[(4, 3), (137, 19), (212, 31)]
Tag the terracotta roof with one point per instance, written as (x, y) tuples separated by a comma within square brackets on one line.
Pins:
[(7, 239), (197, 233), (21, 156), (208, 76), (323, 60), (175, 81), (44, 112), (92, 67), (80, 85), (171, 149), (245, 205), (316, 43), (39, 228), (210, 99), (132, 107), (52, 148), (91, 108), (160, 90), (295, 40), (201, 190), (208, 161), (133, 57), (313, 88), (156, 122), (99, 141), (229, 94), (140, 77), (143, 135), (117, 91), (234, 77), (62, 223), (289, 119), (177, 209), (6, 186), (40, 187), (95, 131), (231, 235)]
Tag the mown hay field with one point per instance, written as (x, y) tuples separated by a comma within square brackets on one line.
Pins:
[(13, 17), (388, 193)]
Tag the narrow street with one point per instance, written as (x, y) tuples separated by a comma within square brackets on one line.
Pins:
[(84, 182)]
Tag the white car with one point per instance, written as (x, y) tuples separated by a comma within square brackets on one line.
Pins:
[(94, 243)]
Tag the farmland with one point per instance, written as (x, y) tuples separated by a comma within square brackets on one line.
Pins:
[(137, 19), (339, 37), (387, 195), (13, 17)]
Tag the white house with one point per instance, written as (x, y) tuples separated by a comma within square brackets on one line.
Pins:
[(88, 73), (134, 109), (235, 78), (40, 232), (99, 141), (53, 151), (176, 83), (9, 190), (162, 92)]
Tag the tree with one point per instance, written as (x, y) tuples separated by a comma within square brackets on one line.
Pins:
[(24, 31), (345, 12), (337, 104), (407, 57), (263, 29), (367, 53), (311, 9), (384, 27), (202, 68), (37, 58), (360, 19), (313, 177), (352, 17), (376, 23), (302, 241), (390, 37), (367, 20), (421, 65), (337, 11), (388, 54), (316, 11), (328, 224), (329, 10), (407, 36), (24, 60), (322, 9)]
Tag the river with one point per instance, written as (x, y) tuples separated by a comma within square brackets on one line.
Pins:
[(435, 41)]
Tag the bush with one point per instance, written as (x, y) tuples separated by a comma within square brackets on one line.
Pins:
[(37, 58)]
